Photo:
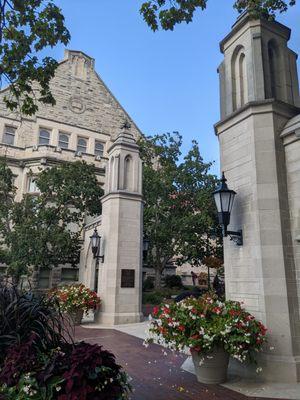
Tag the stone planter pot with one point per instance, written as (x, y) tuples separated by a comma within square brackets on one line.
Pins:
[(211, 368), (76, 317)]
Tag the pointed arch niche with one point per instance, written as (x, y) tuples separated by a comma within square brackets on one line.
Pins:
[(274, 68), (239, 78), (128, 173)]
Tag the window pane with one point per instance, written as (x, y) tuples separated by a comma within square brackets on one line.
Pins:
[(99, 149), (9, 135), (63, 141), (81, 145), (32, 186), (44, 136)]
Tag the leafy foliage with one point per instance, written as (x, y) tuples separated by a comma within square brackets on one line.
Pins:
[(26, 318), (179, 211), (75, 297), (38, 359), (168, 13), (45, 230), (26, 28), (201, 324), (148, 283), (172, 281)]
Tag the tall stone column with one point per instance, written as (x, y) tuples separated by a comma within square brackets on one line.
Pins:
[(120, 276), (259, 94)]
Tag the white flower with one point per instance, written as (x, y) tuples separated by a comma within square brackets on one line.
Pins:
[(26, 389), (258, 370)]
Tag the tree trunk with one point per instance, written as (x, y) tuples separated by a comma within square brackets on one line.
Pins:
[(157, 281)]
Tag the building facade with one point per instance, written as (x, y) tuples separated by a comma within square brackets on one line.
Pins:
[(259, 136), (83, 125)]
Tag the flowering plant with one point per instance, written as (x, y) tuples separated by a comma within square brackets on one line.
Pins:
[(76, 297), (202, 324)]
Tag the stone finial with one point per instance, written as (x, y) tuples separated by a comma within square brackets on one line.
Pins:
[(126, 125)]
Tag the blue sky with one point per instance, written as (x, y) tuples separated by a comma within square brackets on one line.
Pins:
[(166, 81)]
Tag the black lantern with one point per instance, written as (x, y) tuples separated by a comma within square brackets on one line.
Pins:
[(95, 244), (146, 244), (224, 198)]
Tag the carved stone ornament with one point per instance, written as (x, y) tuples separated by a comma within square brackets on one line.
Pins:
[(76, 105)]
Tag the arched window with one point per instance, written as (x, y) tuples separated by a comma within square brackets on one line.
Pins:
[(274, 65), (128, 172), (44, 137), (81, 145), (239, 78), (63, 140), (99, 148)]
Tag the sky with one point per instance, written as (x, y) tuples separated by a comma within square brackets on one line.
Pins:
[(166, 81)]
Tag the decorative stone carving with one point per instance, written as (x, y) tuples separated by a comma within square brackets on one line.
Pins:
[(76, 105)]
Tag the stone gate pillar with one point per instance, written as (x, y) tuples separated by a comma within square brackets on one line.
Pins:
[(259, 94), (120, 276)]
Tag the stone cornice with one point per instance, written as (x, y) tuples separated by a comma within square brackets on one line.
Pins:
[(245, 18), (122, 194), (257, 107)]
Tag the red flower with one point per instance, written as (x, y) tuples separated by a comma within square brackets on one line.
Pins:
[(155, 310), (195, 337), (181, 328), (196, 349)]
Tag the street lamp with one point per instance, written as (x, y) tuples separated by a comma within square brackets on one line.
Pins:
[(224, 198), (146, 244), (95, 244)]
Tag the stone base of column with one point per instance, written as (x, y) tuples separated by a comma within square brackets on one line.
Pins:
[(111, 319), (274, 369)]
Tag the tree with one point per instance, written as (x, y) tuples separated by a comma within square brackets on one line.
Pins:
[(179, 210), (26, 28), (168, 13), (44, 231)]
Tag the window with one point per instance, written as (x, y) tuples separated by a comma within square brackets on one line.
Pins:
[(44, 137), (9, 135), (63, 140), (81, 145), (32, 186), (99, 147)]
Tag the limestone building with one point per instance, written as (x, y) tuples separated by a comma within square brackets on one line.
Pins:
[(259, 136), (82, 125)]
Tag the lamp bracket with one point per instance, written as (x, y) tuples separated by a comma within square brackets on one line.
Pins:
[(101, 258), (236, 237)]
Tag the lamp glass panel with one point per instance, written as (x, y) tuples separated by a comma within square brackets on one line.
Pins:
[(217, 197), (95, 239), (225, 201), (231, 201)]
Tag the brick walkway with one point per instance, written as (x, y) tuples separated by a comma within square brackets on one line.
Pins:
[(155, 376)]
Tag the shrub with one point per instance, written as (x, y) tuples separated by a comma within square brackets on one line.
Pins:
[(172, 281), (204, 323), (24, 316), (152, 298), (78, 371), (38, 359), (148, 283)]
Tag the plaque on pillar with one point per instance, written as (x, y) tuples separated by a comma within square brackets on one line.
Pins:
[(127, 278)]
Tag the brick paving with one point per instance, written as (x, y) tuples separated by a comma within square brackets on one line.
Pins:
[(155, 376)]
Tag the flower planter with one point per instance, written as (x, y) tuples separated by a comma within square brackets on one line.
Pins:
[(211, 368), (76, 316)]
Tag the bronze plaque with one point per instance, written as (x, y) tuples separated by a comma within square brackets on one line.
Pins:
[(127, 278)]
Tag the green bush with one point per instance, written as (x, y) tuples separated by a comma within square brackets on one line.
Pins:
[(154, 298), (39, 360), (148, 284), (172, 281)]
